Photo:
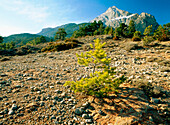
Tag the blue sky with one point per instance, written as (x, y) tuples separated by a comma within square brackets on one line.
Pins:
[(30, 16)]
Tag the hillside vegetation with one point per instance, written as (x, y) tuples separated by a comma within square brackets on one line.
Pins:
[(22, 39)]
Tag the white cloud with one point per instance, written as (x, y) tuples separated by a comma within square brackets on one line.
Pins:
[(32, 10), (7, 30)]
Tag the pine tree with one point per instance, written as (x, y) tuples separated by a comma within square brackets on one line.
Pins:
[(60, 34), (101, 29), (43, 39), (167, 28), (148, 31), (99, 83), (106, 30), (111, 31), (136, 36), (147, 39), (122, 30), (131, 28), (1, 39), (161, 33)]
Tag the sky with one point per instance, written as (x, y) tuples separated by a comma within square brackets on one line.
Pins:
[(31, 16)]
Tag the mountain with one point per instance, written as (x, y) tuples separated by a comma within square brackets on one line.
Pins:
[(69, 28), (23, 37), (114, 17)]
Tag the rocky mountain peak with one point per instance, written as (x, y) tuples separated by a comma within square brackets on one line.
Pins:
[(114, 17)]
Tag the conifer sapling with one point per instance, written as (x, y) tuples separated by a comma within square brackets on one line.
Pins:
[(100, 83)]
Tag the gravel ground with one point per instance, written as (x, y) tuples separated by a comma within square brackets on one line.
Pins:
[(32, 91)]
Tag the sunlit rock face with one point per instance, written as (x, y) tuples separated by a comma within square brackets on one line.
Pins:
[(114, 17)]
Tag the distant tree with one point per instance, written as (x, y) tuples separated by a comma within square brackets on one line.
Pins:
[(101, 29), (94, 28), (43, 39), (147, 39), (131, 28), (6, 46), (167, 28), (2, 46), (51, 40), (106, 30), (1, 39), (111, 31), (37, 40), (122, 30), (137, 33), (60, 34), (161, 33), (100, 22), (116, 34), (10, 45), (21, 44), (96, 32), (148, 31)]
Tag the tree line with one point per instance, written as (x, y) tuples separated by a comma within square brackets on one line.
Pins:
[(98, 28), (12, 45), (125, 31)]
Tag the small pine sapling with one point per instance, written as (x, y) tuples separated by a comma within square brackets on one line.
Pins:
[(99, 83), (148, 38)]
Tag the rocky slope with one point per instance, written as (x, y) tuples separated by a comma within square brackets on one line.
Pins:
[(32, 92), (114, 16)]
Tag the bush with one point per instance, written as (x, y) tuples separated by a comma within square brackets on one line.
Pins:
[(148, 31), (72, 41), (53, 46), (147, 40), (99, 83), (136, 36), (161, 34)]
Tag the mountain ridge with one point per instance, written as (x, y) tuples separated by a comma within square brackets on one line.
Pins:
[(114, 16), (69, 28)]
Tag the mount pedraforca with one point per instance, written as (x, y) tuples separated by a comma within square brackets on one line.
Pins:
[(114, 17)]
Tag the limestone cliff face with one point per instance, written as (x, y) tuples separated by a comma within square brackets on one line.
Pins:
[(114, 17)]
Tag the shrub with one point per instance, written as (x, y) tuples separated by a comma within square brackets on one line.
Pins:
[(148, 31), (99, 83), (53, 46), (147, 40), (72, 40), (136, 36), (160, 34)]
